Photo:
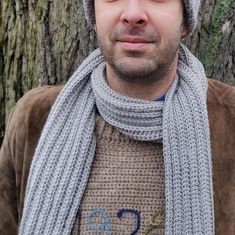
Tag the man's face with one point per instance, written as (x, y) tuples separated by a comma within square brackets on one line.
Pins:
[(139, 38)]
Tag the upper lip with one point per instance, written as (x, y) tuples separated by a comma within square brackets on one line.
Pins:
[(132, 39)]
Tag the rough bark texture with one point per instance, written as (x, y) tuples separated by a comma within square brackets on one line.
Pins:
[(213, 42), (43, 42)]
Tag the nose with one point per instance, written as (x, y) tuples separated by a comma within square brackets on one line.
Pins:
[(134, 14)]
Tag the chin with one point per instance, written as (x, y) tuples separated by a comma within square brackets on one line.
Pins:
[(135, 69)]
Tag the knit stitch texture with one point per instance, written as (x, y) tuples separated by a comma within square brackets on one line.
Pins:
[(63, 158), (126, 174)]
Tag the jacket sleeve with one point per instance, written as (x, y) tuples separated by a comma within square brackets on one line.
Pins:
[(8, 196), (22, 134)]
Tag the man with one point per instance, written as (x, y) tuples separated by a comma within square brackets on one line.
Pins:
[(127, 147)]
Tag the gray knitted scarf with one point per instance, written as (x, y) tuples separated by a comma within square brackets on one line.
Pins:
[(63, 158)]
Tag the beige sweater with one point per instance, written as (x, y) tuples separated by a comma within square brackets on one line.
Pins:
[(127, 176)]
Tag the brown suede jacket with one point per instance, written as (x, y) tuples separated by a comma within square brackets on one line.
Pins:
[(27, 120)]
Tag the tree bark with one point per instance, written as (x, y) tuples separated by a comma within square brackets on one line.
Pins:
[(213, 41), (42, 42)]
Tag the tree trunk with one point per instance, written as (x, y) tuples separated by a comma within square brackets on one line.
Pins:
[(213, 42), (42, 42)]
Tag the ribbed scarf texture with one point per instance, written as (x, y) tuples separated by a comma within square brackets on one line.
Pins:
[(63, 158)]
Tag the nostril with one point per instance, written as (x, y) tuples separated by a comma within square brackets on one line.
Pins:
[(134, 19), (140, 21), (134, 22)]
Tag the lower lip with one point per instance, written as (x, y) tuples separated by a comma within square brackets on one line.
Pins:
[(134, 46)]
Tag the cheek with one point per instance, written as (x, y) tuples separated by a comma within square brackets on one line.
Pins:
[(166, 18), (167, 26), (104, 25), (105, 16)]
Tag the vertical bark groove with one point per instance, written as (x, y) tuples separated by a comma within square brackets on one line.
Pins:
[(214, 39)]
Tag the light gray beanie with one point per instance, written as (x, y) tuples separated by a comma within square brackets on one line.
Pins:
[(191, 12)]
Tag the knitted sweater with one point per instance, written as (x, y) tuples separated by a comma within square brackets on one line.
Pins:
[(125, 191)]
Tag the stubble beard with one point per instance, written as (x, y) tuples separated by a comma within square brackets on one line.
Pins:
[(139, 69)]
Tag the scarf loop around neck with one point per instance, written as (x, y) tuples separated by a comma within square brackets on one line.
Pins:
[(61, 165)]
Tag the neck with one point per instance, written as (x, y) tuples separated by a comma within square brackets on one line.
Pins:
[(147, 89)]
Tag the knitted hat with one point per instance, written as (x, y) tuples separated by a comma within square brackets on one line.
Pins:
[(191, 13)]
